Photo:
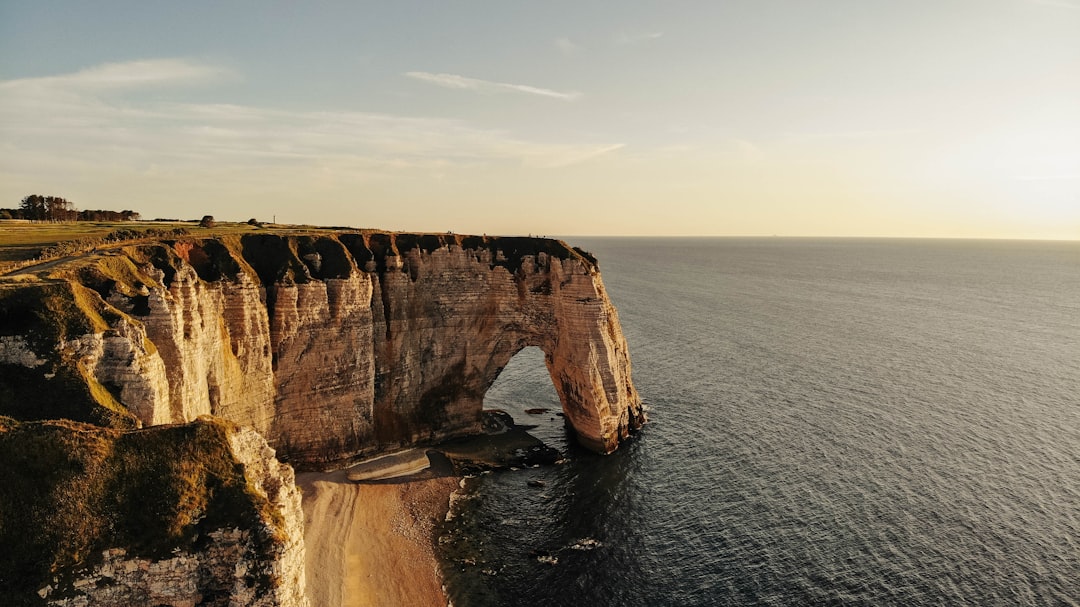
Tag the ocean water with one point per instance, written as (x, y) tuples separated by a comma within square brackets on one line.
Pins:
[(833, 422)]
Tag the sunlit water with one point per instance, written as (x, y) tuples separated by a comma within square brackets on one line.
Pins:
[(849, 422)]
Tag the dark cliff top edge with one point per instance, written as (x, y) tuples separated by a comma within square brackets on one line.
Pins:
[(282, 244), (299, 256)]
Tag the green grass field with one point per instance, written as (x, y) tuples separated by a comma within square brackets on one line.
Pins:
[(22, 241)]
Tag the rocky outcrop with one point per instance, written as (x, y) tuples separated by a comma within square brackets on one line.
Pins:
[(120, 358), (333, 346), (199, 514)]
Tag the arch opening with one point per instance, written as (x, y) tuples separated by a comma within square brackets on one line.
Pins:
[(524, 389)]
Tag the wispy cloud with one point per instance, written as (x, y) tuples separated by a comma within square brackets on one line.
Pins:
[(454, 81), (64, 125), (567, 46), (1047, 177), (850, 134), (727, 151), (632, 38), (1055, 3), (555, 158), (151, 72), (747, 149)]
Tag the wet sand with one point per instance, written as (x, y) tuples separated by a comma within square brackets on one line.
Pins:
[(371, 543)]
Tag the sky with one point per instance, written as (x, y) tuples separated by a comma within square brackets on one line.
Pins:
[(921, 118)]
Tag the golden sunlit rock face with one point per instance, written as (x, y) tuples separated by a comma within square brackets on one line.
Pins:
[(334, 345)]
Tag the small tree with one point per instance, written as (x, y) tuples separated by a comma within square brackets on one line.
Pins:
[(58, 209), (207, 221), (52, 208), (33, 207)]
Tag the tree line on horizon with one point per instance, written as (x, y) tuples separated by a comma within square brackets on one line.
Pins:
[(36, 207)]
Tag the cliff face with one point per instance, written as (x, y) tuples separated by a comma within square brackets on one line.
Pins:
[(173, 515), (330, 345), (326, 346)]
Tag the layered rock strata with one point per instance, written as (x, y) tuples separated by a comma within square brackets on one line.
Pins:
[(331, 345), (323, 346)]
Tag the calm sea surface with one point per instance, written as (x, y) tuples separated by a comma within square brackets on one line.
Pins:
[(833, 422)]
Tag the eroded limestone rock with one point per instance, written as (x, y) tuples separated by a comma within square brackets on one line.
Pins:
[(328, 346), (198, 514), (335, 346)]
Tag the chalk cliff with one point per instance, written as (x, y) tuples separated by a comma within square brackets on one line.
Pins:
[(331, 345), (173, 515), (324, 346)]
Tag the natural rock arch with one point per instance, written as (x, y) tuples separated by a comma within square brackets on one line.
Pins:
[(464, 318), (332, 346)]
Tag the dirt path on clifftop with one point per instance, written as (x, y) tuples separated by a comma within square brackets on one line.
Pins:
[(370, 544), (41, 266)]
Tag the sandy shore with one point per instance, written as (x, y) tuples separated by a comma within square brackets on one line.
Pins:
[(371, 544)]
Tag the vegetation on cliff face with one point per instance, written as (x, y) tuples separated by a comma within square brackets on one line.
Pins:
[(69, 491), (48, 313), (48, 316)]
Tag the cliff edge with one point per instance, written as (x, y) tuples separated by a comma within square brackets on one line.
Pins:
[(330, 345)]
